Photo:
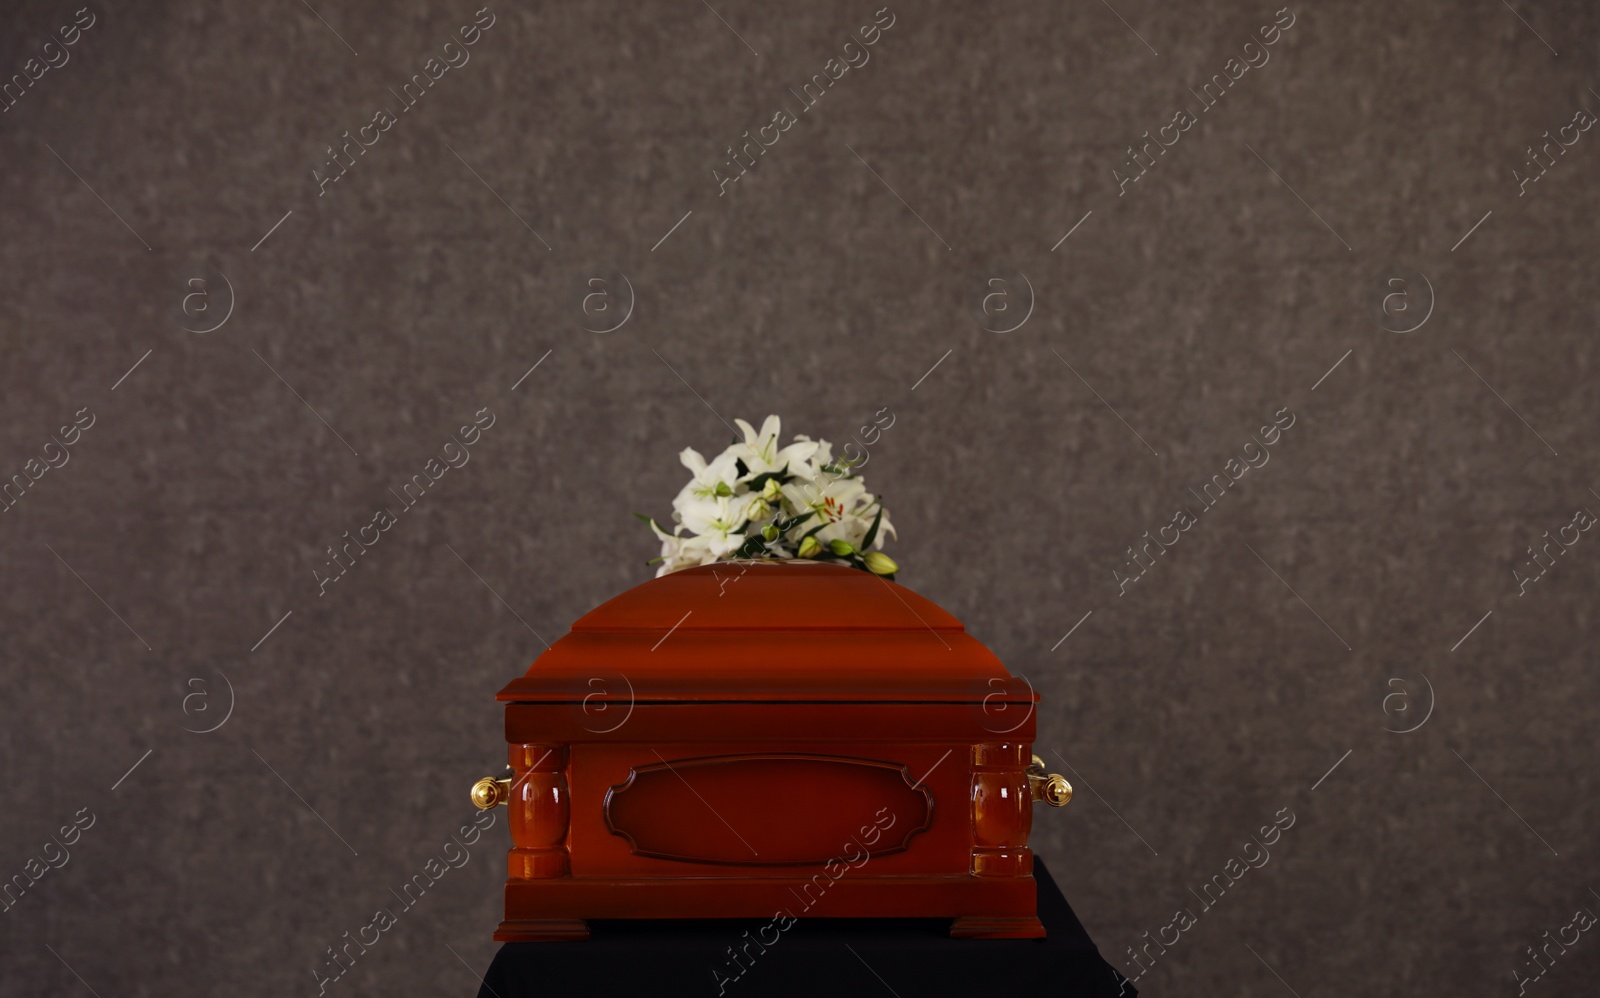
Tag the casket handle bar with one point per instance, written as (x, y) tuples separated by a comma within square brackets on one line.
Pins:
[(492, 791), (1052, 788)]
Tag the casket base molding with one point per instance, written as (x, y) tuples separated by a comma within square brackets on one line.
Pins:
[(556, 909), (551, 930), (992, 927), (542, 930)]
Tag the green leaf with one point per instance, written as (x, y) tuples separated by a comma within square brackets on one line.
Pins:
[(741, 467), (795, 521), (752, 546), (872, 531)]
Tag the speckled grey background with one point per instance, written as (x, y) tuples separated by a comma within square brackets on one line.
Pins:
[(414, 293)]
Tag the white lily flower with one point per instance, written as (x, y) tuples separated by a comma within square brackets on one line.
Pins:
[(720, 521), (854, 524), (842, 506), (678, 551), (823, 455), (721, 471), (760, 452), (830, 498), (697, 501)]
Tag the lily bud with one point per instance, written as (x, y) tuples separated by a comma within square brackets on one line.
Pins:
[(723, 489), (879, 563), (840, 547), (770, 491), (769, 532), (810, 548)]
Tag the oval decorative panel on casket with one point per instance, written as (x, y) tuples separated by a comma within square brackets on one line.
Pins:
[(767, 809)]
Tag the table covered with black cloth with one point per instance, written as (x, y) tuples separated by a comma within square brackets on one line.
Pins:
[(908, 957)]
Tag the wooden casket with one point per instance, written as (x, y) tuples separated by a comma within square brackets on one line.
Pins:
[(769, 739)]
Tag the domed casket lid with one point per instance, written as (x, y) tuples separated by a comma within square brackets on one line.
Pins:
[(772, 630)]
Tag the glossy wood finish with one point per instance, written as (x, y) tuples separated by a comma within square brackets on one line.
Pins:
[(1002, 810), (803, 738), (540, 813), (777, 809), (732, 824), (781, 631)]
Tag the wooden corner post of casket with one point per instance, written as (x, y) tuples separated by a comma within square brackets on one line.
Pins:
[(770, 739)]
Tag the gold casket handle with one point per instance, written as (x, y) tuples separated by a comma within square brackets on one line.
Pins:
[(492, 791), (1052, 788)]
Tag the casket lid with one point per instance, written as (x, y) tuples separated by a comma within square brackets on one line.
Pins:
[(769, 630)]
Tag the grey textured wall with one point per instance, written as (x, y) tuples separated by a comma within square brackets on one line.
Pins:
[(1335, 597)]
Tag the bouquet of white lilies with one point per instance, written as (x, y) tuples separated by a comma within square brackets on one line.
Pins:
[(756, 501)]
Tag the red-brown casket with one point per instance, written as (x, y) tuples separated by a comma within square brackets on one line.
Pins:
[(765, 739)]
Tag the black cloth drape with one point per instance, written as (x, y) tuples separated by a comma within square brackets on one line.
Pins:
[(880, 958)]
